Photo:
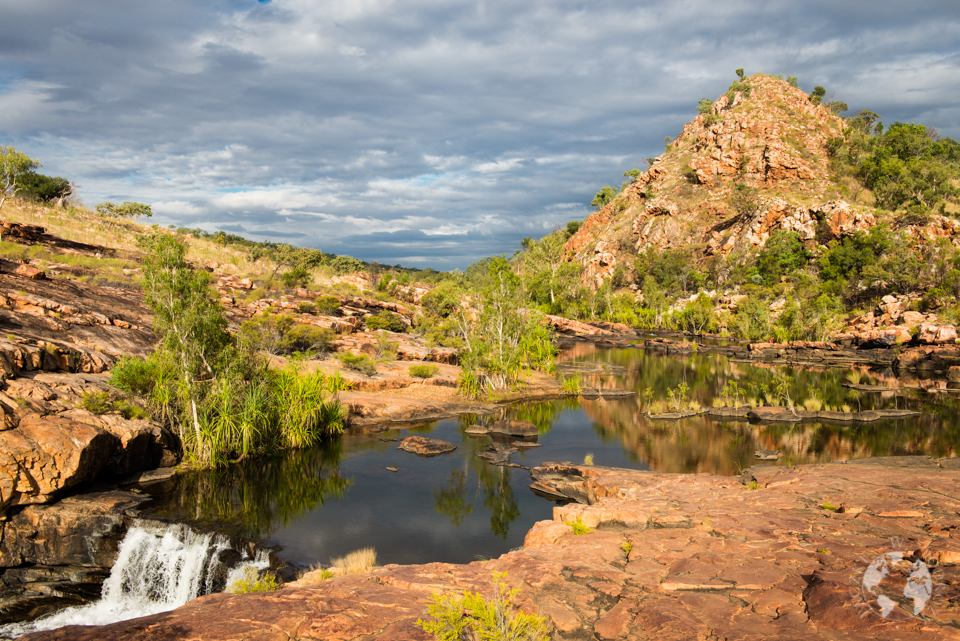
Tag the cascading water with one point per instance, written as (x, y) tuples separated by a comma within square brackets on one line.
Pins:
[(158, 568)]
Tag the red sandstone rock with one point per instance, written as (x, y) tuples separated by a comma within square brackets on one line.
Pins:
[(709, 557), (31, 272)]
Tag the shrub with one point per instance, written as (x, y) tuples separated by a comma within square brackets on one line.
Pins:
[(782, 254), (358, 362), (306, 307), (473, 616), (424, 371), (386, 320), (134, 374), (705, 106), (96, 402), (328, 305), (251, 581), (579, 527), (281, 334), (130, 411), (308, 339), (298, 276)]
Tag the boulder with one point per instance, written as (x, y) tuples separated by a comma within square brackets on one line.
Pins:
[(29, 271), (45, 455), (934, 334)]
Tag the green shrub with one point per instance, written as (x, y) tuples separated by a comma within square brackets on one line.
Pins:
[(281, 334), (472, 616), (358, 362), (386, 320), (96, 402), (251, 581), (306, 307), (328, 305), (298, 276), (308, 339), (782, 255), (130, 411), (134, 374), (424, 371), (579, 527)]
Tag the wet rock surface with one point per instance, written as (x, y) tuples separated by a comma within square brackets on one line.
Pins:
[(671, 557)]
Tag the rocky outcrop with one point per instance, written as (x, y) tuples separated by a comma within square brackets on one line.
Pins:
[(53, 446), (670, 557), (581, 329), (757, 164), (52, 556)]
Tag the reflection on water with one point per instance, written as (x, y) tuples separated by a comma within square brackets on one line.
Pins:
[(330, 500), (702, 444)]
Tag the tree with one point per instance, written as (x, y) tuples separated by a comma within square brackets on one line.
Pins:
[(817, 94), (740, 74), (191, 324), (13, 166), (793, 82), (503, 338), (545, 269), (705, 106), (46, 189), (837, 106), (604, 197), (126, 210)]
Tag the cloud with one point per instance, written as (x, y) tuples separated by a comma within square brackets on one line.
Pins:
[(353, 124)]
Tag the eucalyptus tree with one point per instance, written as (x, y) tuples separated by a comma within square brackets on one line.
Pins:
[(14, 165)]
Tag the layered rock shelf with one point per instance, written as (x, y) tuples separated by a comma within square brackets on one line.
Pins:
[(781, 553)]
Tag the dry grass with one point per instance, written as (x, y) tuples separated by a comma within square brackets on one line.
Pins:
[(356, 562)]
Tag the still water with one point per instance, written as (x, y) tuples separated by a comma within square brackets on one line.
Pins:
[(322, 503)]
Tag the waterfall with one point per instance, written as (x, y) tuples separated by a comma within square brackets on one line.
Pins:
[(158, 568)]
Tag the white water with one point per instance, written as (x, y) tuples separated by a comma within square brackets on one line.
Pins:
[(158, 568)]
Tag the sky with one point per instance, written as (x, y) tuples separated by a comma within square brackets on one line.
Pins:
[(424, 133)]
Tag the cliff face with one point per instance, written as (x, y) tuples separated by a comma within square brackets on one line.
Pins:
[(756, 164)]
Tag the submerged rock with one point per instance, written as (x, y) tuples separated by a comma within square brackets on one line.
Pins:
[(510, 428)]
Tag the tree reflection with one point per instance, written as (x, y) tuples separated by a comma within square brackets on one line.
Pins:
[(499, 498), (451, 501), (252, 499)]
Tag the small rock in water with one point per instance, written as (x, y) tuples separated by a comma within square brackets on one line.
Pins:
[(767, 455), (393, 468), (423, 446), (525, 445)]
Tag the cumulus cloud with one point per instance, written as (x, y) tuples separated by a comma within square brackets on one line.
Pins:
[(432, 132)]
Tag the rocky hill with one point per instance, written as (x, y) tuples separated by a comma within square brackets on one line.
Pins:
[(756, 163)]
